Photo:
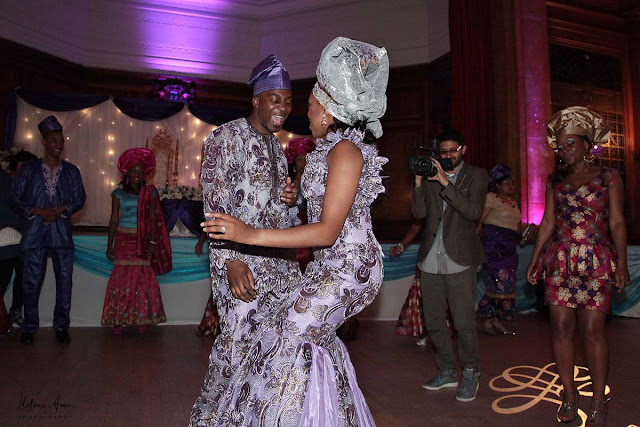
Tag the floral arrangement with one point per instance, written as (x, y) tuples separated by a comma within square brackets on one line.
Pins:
[(6, 155), (180, 192)]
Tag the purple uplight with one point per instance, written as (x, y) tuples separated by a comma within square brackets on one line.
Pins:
[(184, 36)]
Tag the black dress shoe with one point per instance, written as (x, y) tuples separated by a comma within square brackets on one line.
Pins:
[(63, 336), (26, 338)]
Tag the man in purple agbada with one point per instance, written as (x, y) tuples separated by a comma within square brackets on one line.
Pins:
[(244, 173), (47, 192)]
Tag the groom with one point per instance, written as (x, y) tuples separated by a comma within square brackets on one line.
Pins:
[(244, 174)]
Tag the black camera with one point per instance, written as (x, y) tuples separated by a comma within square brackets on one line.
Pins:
[(421, 165)]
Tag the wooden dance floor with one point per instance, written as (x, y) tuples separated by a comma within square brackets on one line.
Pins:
[(153, 379)]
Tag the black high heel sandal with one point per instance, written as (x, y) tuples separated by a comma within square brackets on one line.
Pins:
[(568, 411), (598, 417)]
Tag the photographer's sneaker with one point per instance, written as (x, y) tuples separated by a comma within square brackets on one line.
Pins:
[(443, 379), (469, 387)]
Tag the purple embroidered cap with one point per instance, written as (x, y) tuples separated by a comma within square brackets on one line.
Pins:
[(269, 74), (50, 124)]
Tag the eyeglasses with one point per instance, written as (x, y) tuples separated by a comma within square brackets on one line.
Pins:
[(452, 151)]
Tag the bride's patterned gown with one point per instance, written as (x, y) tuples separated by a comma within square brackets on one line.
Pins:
[(297, 372)]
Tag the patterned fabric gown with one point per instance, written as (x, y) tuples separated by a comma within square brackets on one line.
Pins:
[(411, 319), (297, 372), (499, 272), (578, 264), (209, 325), (243, 174)]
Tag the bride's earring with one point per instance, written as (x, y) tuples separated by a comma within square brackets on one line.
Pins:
[(590, 158), (323, 122)]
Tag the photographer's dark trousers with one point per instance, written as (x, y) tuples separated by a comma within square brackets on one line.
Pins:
[(35, 267), (458, 291)]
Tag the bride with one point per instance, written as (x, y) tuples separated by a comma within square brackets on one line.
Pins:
[(297, 372)]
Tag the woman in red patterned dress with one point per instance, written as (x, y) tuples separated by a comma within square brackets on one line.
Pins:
[(411, 319), (210, 323), (582, 239), (138, 245)]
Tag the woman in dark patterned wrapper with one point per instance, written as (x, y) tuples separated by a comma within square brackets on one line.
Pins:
[(500, 230)]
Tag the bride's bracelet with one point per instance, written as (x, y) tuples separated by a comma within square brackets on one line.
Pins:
[(401, 246)]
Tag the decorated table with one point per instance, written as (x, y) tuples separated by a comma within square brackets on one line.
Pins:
[(182, 210)]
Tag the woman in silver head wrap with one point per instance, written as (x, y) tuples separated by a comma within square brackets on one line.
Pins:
[(296, 371), (574, 255), (351, 89)]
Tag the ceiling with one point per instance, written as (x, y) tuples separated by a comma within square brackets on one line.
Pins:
[(222, 39)]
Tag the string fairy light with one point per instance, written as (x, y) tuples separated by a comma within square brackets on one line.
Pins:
[(198, 129)]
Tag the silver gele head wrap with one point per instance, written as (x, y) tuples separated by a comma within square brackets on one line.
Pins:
[(352, 82), (269, 74)]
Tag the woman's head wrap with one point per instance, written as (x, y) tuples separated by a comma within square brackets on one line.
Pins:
[(298, 146), (269, 74), (137, 156), (577, 121), (497, 174), (352, 82)]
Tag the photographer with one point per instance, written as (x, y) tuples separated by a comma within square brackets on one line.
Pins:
[(450, 250)]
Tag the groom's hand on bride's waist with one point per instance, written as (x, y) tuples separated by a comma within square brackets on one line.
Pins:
[(240, 278)]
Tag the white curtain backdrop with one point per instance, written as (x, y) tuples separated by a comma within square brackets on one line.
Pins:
[(95, 138)]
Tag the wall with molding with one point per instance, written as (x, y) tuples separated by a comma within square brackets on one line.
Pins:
[(222, 39)]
